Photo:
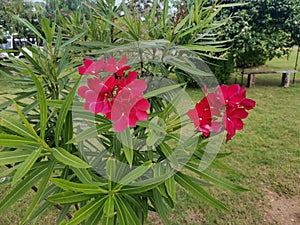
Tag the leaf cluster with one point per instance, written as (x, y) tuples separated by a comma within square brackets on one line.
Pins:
[(115, 178)]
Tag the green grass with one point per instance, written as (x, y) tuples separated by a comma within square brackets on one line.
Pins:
[(266, 157)]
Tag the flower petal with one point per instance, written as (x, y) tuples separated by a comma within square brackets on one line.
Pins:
[(233, 90), (248, 103), (239, 113), (82, 90), (193, 115), (121, 124), (142, 105)]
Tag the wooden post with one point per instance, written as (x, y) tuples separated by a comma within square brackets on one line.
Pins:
[(251, 80), (285, 80), (296, 63)]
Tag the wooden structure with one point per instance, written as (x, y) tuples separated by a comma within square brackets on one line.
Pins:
[(285, 80)]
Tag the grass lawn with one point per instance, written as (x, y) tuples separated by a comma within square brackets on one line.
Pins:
[(266, 160)]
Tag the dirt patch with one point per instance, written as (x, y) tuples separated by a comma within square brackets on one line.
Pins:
[(282, 210)]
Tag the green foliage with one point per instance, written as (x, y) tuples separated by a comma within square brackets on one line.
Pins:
[(49, 158), (31, 11), (261, 30), (223, 68)]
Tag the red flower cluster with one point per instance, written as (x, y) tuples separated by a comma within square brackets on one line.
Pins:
[(117, 97), (227, 104)]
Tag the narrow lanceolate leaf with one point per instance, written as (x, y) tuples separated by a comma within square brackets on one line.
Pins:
[(22, 188), (126, 210), (68, 197), (108, 211), (86, 211), (91, 132), (171, 187), (43, 104), (161, 90), (95, 218), (111, 170), (69, 159), (30, 26), (198, 191), (15, 156), (214, 178), (25, 121), (41, 190), (72, 40), (89, 189), (14, 141), (83, 175), (134, 174), (63, 113), (16, 126), (26, 165), (160, 206), (144, 185), (126, 140)]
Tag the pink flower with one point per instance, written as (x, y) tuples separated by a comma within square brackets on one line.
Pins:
[(91, 67), (232, 121), (203, 119), (119, 97), (226, 102), (129, 106), (235, 96), (113, 66), (98, 94)]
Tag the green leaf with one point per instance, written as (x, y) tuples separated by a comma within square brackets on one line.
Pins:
[(171, 187), (68, 131), (25, 121), (157, 131), (144, 185), (160, 206), (63, 112), (68, 197), (126, 210), (95, 218), (134, 174), (214, 178), (83, 175), (198, 47), (91, 132), (169, 153), (73, 39), (41, 190), (89, 189), (108, 211), (19, 190), (10, 157), (198, 191), (30, 26), (125, 138), (121, 214), (63, 213), (16, 126), (111, 171), (26, 165), (15, 141), (86, 211), (47, 29), (162, 90), (69, 159), (9, 171)]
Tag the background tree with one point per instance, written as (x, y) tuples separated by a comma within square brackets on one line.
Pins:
[(261, 30), (31, 11)]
